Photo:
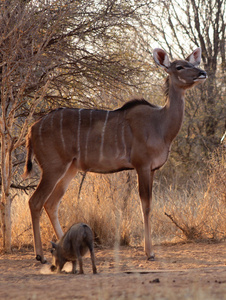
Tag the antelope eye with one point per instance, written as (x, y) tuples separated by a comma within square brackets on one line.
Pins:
[(179, 67)]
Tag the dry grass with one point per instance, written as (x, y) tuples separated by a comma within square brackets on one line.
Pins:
[(110, 205)]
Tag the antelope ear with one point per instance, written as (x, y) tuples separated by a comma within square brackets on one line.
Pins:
[(54, 245), (195, 57), (161, 58)]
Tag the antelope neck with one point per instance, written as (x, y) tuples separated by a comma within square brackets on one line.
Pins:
[(174, 113)]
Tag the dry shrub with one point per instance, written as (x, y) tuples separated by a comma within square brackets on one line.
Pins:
[(21, 222), (217, 175), (110, 204), (199, 210), (107, 203)]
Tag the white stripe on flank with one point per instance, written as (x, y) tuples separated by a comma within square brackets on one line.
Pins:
[(61, 128), (78, 133), (87, 137), (102, 135), (40, 131)]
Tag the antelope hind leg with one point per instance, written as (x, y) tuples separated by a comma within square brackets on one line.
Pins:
[(36, 203)]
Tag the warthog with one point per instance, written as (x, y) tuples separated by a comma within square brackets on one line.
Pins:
[(72, 246)]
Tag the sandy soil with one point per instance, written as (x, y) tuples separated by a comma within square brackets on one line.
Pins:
[(185, 271)]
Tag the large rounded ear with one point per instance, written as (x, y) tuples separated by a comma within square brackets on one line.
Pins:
[(195, 57), (161, 58), (54, 245)]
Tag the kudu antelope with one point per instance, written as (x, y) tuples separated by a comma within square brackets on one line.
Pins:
[(136, 136)]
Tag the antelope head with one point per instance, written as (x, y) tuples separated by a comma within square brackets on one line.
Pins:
[(183, 73)]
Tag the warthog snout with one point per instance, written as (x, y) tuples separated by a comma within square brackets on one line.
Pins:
[(53, 268)]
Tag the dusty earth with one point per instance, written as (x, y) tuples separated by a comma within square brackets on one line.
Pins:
[(184, 271)]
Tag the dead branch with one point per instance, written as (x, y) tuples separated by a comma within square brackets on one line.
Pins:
[(177, 225)]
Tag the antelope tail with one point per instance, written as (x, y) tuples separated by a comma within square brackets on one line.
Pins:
[(30, 153)]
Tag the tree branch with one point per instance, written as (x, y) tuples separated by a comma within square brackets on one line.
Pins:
[(177, 225)]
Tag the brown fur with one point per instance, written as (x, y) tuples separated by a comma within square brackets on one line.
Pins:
[(72, 246)]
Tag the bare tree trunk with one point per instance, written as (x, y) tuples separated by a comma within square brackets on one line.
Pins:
[(6, 223), (6, 172), (6, 198)]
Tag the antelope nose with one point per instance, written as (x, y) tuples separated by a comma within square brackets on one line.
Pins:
[(202, 74)]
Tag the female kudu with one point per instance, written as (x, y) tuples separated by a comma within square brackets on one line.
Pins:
[(136, 136)]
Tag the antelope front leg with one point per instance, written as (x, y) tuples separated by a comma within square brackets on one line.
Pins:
[(147, 230), (145, 177)]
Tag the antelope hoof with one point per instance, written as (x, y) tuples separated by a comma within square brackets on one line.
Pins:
[(42, 260), (151, 258)]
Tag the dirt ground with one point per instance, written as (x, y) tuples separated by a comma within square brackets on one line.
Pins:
[(182, 271)]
